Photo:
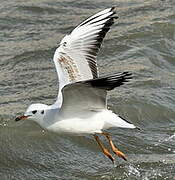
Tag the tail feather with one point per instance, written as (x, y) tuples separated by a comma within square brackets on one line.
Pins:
[(118, 121)]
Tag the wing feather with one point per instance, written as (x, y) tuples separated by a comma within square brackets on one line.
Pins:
[(90, 94), (81, 47), (75, 58)]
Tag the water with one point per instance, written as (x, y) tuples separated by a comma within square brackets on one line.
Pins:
[(142, 41)]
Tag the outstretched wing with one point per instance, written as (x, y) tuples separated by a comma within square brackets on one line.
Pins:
[(90, 94), (75, 58)]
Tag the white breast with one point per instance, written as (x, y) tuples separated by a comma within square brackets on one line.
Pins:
[(92, 123)]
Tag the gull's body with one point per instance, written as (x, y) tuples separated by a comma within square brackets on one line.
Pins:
[(81, 106), (93, 122), (86, 122)]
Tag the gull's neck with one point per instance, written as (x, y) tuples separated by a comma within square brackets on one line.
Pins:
[(50, 117), (58, 103)]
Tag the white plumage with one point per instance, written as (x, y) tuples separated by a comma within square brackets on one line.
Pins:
[(75, 58), (81, 106), (81, 99)]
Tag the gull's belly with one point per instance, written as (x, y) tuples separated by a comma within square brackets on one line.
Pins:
[(77, 126)]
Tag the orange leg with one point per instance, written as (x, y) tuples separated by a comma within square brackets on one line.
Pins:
[(104, 150), (114, 149)]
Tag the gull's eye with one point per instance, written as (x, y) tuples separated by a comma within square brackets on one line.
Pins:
[(34, 112), (42, 112)]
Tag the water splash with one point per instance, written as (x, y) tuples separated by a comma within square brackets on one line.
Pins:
[(165, 140), (133, 171)]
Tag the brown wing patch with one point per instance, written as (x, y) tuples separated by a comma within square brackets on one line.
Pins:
[(70, 67)]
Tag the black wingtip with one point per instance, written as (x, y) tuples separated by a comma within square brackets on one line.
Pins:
[(125, 119), (115, 17), (139, 129), (127, 75), (110, 82), (113, 9)]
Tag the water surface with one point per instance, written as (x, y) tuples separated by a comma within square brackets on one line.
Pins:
[(141, 41)]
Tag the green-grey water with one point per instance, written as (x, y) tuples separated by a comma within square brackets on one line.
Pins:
[(141, 41)]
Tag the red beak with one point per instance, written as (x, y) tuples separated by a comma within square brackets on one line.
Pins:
[(21, 118)]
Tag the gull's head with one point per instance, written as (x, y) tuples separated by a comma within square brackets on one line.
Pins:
[(35, 112)]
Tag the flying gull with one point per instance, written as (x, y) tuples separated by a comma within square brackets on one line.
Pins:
[(81, 105)]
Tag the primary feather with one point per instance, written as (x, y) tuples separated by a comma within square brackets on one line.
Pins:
[(90, 95), (75, 58)]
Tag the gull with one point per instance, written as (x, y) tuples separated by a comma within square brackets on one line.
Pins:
[(81, 105)]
